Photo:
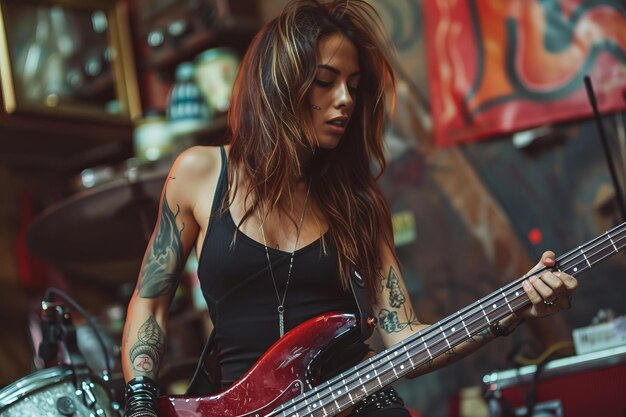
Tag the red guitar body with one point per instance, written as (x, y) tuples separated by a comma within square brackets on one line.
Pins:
[(286, 370)]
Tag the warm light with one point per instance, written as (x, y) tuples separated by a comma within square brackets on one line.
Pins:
[(535, 236)]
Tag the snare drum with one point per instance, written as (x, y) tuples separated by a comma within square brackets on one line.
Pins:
[(52, 392)]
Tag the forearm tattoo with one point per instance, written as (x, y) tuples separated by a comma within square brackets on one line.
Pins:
[(145, 354), (481, 337), (164, 261), (389, 320), (451, 356)]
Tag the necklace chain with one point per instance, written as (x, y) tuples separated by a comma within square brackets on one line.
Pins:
[(281, 301)]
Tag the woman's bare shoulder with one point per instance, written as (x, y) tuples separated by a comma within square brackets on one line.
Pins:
[(194, 172), (198, 163)]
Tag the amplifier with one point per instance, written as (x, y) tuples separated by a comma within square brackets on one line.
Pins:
[(592, 384)]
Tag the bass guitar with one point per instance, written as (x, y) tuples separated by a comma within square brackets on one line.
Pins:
[(283, 382)]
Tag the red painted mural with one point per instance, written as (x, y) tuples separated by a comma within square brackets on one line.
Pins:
[(499, 67)]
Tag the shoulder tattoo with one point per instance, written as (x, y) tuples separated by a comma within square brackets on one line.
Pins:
[(164, 262)]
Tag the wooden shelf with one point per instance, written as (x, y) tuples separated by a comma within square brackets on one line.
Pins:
[(101, 86), (234, 33), (61, 145), (212, 134)]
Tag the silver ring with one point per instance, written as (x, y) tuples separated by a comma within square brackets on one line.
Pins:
[(549, 303)]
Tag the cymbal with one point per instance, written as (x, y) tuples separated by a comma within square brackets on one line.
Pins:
[(110, 222)]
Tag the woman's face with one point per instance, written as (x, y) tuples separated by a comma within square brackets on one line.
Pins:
[(333, 91)]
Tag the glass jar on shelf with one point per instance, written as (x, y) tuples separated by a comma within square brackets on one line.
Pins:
[(187, 109)]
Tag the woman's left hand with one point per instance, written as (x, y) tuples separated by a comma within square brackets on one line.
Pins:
[(549, 292)]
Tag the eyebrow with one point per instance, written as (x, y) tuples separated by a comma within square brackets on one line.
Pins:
[(336, 71)]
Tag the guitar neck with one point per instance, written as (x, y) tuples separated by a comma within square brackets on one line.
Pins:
[(346, 389)]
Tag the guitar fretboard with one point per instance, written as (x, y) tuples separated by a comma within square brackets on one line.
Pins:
[(351, 386)]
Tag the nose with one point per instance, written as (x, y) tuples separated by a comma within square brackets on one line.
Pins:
[(344, 97)]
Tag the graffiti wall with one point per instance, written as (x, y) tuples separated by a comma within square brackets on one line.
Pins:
[(500, 67)]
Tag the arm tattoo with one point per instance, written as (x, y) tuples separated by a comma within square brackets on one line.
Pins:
[(451, 356), (146, 352), (164, 262), (389, 320), (481, 336), (396, 296)]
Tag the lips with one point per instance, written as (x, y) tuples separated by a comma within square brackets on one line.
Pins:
[(340, 121)]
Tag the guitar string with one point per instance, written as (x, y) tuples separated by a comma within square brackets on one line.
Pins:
[(564, 263), (435, 328), (438, 352), (386, 361)]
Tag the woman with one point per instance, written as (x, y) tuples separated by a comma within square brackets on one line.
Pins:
[(284, 214)]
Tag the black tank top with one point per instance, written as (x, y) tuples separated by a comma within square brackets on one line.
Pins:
[(237, 285)]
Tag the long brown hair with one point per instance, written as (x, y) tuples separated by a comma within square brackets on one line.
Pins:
[(269, 121)]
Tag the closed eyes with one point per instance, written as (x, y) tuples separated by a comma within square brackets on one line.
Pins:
[(328, 84)]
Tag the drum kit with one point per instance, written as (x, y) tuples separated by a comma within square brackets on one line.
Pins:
[(109, 223)]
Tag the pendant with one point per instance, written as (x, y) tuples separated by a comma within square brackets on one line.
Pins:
[(281, 320)]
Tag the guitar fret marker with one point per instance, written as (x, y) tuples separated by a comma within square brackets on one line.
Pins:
[(584, 256), (427, 350), (407, 352), (506, 300), (465, 326), (484, 314), (444, 336)]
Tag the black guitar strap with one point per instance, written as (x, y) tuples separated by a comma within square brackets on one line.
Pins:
[(207, 376), (361, 298)]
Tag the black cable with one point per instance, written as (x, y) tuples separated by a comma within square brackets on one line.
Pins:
[(87, 317), (605, 146), (531, 395)]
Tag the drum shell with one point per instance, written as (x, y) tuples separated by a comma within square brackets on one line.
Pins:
[(50, 391)]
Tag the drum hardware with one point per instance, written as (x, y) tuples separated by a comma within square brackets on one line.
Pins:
[(57, 325), (50, 334), (58, 330), (112, 224), (52, 392)]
